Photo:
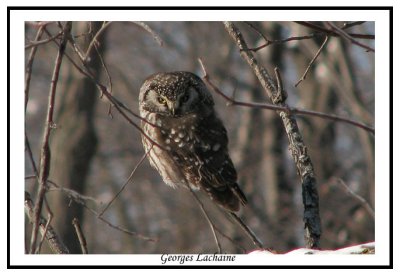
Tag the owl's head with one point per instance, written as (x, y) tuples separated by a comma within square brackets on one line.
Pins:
[(174, 94)]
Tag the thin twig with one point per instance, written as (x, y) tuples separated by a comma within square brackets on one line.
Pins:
[(275, 41), (110, 84), (50, 218), (292, 110), (352, 24), (104, 65), (127, 181), (331, 32), (349, 37), (71, 193), (76, 47), (81, 237), (45, 151), (312, 61), (149, 30), (46, 227), (362, 200), (46, 230), (247, 230), (30, 155), (95, 40), (38, 24), (38, 42), (81, 199), (207, 218), (28, 71), (320, 31), (119, 228), (230, 239)]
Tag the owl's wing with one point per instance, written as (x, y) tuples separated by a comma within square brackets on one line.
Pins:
[(216, 173)]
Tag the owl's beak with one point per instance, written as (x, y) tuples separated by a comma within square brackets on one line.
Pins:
[(173, 107)]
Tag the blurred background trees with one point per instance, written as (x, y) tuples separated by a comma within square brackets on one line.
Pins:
[(94, 149)]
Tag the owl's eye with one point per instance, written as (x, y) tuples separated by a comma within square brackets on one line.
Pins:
[(185, 98), (161, 100)]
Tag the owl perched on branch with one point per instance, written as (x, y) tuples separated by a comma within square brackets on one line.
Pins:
[(194, 141)]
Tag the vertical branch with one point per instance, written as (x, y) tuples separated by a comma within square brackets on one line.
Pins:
[(45, 151), (297, 147)]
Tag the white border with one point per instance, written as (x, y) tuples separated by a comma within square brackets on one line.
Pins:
[(17, 131)]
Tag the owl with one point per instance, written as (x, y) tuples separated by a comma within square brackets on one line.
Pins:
[(193, 142)]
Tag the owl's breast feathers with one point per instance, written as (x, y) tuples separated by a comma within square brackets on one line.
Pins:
[(198, 148)]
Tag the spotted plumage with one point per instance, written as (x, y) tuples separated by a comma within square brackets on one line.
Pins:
[(193, 140)]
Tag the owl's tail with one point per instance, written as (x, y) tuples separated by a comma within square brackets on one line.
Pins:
[(230, 198)]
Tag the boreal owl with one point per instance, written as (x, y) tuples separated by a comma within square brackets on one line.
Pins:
[(192, 142)]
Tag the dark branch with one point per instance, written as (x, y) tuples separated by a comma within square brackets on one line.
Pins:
[(312, 222), (231, 101), (81, 237)]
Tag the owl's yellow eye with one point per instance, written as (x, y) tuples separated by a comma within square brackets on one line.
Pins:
[(161, 100)]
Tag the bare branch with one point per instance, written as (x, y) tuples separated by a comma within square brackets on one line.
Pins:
[(119, 228), (95, 41), (352, 24), (127, 181), (292, 110), (312, 222), (45, 151), (149, 30), (33, 164), (362, 200), (247, 230), (349, 37), (34, 44), (212, 226), (275, 41), (332, 32), (81, 237), (81, 199), (29, 64), (50, 218), (107, 24), (320, 32), (71, 193), (46, 230), (312, 61)]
